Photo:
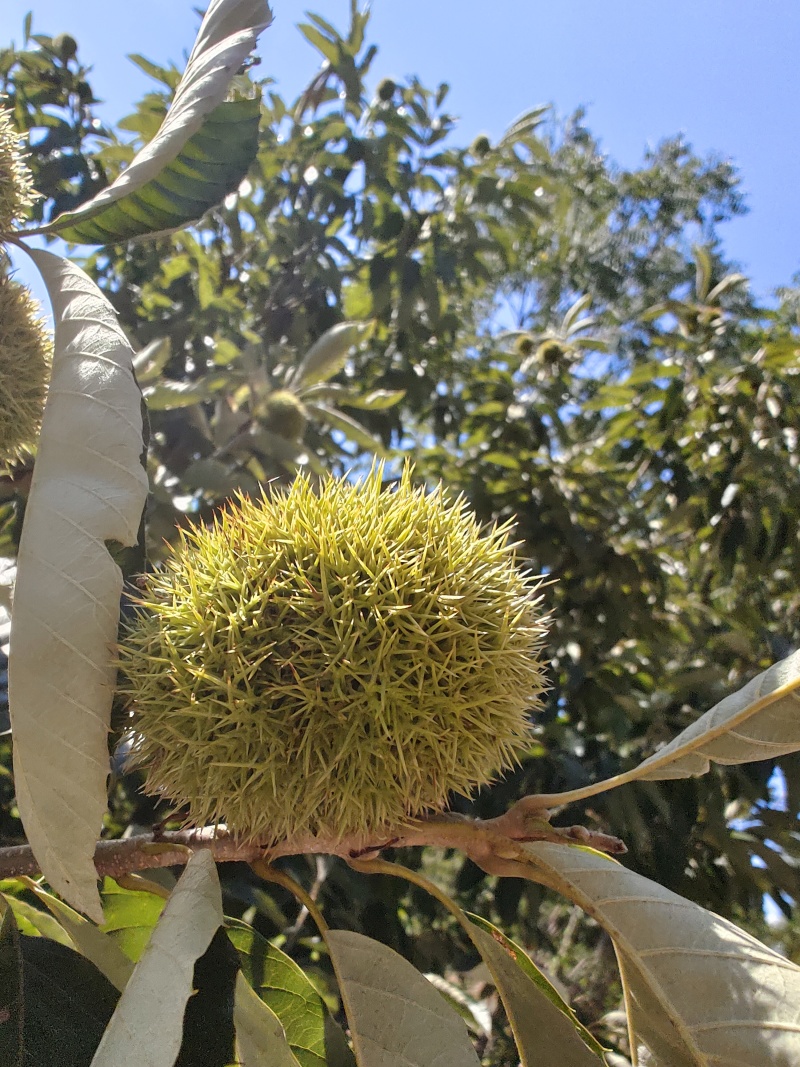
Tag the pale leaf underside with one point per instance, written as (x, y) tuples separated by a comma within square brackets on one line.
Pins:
[(260, 1038), (147, 1025), (701, 992), (88, 487), (545, 1036), (760, 721), (396, 1017)]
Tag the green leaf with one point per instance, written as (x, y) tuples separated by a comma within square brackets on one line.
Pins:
[(524, 125), (377, 400), (325, 47), (328, 355), (571, 319), (11, 1003), (352, 430), (501, 459), (149, 361), (704, 268), (36, 923), (130, 916), (170, 78), (395, 1015), (98, 947), (201, 147), (284, 988), (211, 164), (168, 395), (260, 1039), (545, 1028)]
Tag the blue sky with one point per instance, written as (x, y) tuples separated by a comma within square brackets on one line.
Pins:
[(724, 72)]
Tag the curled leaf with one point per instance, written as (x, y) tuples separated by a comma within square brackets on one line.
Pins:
[(171, 182), (88, 488)]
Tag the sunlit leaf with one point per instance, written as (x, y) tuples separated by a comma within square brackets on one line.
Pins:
[(700, 991), (283, 987), (760, 721), (377, 400), (168, 396), (328, 355), (130, 916), (202, 150), (260, 1038), (351, 429), (88, 488), (91, 942), (36, 923), (149, 361), (147, 1025)]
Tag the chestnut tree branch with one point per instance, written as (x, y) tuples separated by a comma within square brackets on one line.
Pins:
[(481, 839)]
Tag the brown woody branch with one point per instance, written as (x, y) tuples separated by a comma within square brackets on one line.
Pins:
[(479, 838)]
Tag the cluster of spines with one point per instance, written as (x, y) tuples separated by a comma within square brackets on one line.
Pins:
[(25, 358), (17, 194), (333, 663)]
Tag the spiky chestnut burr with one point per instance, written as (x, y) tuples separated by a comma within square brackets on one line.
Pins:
[(25, 357), (17, 194), (285, 414), (334, 662)]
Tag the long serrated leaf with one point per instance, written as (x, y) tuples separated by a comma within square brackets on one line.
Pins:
[(129, 917), (260, 1038), (286, 991), (700, 991), (328, 49), (92, 943), (728, 282), (211, 164), (88, 488), (571, 315), (351, 429), (524, 125), (328, 355), (150, 196), (167, 395), (377, 400), (395, 1015), (35, 923), (545, 1029), (147, 1025), (760, 721), (149, 361), (704, 267)]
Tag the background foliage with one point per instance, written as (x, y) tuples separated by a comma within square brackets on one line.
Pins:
[(561, 340)]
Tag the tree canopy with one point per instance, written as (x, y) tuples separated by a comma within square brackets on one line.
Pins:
[(565, 342)]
